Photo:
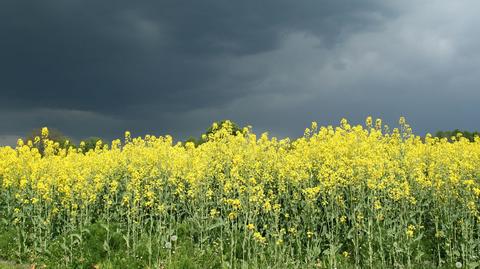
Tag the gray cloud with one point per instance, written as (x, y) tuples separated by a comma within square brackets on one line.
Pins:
[(98, 68)]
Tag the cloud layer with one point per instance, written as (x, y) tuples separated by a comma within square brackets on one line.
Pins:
[(94, 68)]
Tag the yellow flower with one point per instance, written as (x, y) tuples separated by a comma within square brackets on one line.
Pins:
[(439, 234), (310, 234), (128, 136), (378, 124), (410, 231), (267, 206), (368, 121), (214, 213), (232, 215), (44, 132), (257, 236), (20, 142)]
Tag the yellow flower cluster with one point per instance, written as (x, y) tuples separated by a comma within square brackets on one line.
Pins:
[(316, 187)]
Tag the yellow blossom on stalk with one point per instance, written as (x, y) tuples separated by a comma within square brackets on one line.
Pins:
[(214, 213), (439, 234), (128, 136), (410, 231), (476, 191), (378, 124), (210, 194), (161, 208), (472, 206), (20, 142), (310, 234), (267, 206), (232, 215), (235, 203), (259, 238), (368, 122), (125, 200), (44, 132), (276, 208)]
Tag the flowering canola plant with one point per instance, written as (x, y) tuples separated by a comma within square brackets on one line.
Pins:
[(358, 195)]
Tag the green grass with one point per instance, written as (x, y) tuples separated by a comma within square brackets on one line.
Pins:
[(11, 265), (184, 254)]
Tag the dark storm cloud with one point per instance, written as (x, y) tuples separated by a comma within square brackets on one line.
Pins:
[(100, 67), (110, 55)]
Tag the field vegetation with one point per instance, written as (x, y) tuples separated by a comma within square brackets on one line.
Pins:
[(338, 197)]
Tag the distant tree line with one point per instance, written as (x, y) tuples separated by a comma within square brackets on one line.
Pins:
[(218, 125), (58, 137), (90, 143), (456, 133)]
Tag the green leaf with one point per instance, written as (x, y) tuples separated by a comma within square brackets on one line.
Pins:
[(216, 225), (473, 265)]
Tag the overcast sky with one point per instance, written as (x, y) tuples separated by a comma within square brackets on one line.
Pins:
[(97, 68)]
